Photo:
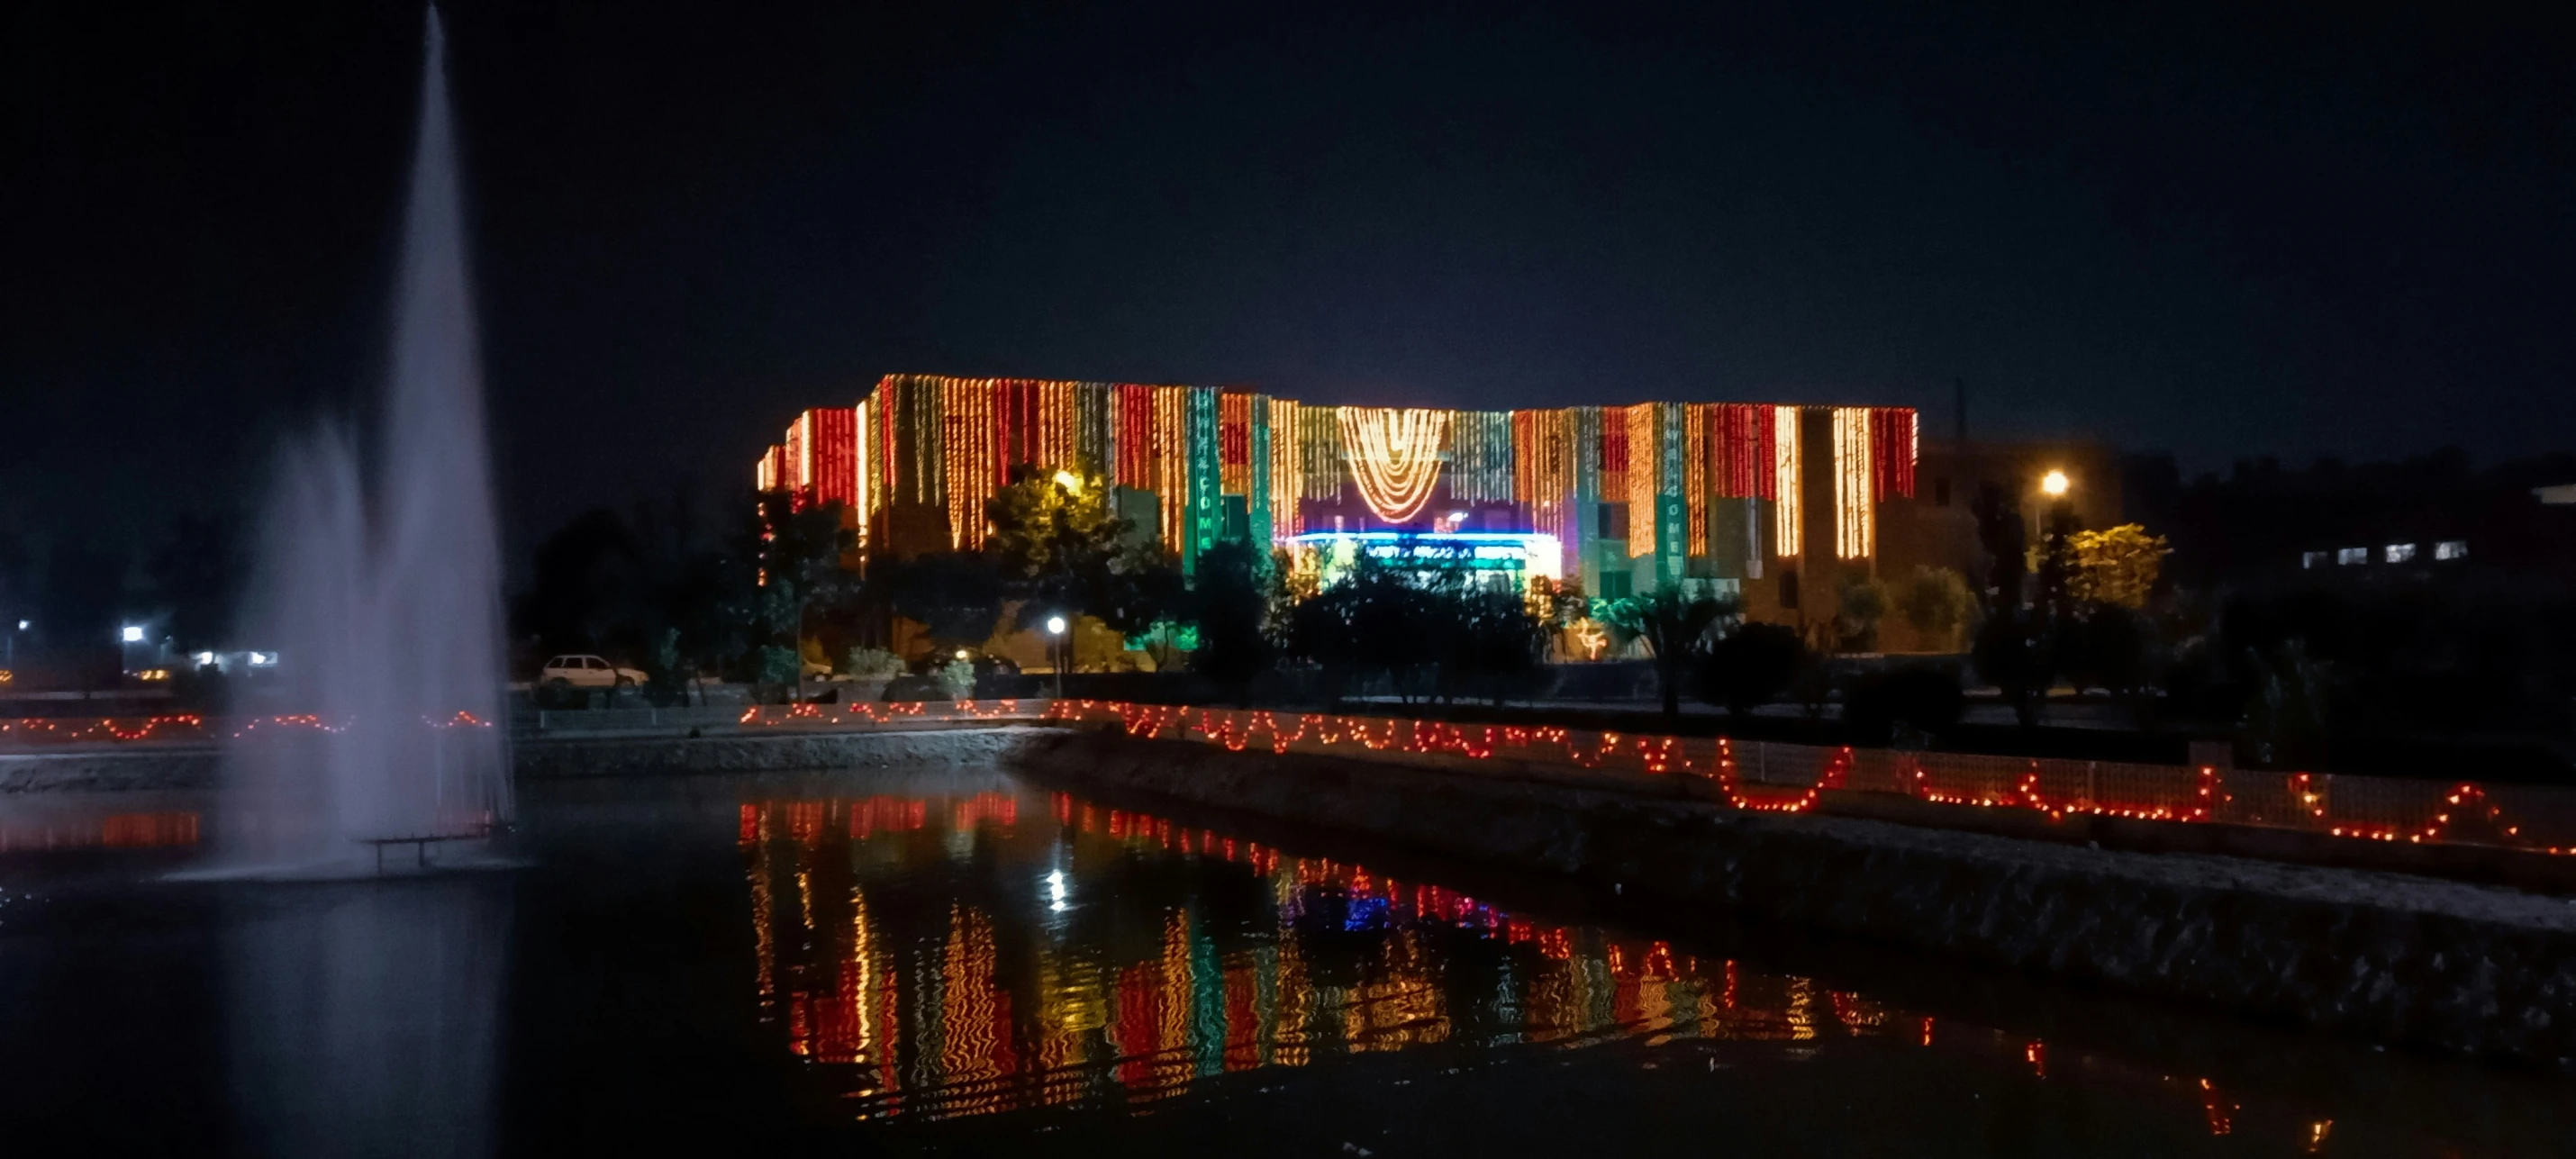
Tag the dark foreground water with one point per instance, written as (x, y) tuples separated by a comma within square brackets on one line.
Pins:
[(951, 963)]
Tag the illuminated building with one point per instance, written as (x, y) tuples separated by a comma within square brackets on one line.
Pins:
[(1631, 497)]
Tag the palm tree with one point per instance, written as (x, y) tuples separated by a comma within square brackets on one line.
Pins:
[(1672, 621)]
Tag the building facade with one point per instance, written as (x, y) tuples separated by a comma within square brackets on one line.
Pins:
[(1626, 499)]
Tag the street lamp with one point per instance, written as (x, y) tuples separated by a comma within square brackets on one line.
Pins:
[(2054, 484), (133, 634), (1055, 628)]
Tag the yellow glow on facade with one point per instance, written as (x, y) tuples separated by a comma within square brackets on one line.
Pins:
[(1785, 474), (1855, 487), (1643, 478)]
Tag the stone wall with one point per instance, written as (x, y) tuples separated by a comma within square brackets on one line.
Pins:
[(766, 752), (2440, 965), (197, 767), (189, 767)]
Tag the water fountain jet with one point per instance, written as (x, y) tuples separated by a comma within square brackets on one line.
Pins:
[(381, 587)]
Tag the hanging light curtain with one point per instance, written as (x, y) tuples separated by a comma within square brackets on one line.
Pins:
[(1395, 457)]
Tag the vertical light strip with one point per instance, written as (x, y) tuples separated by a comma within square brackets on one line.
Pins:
[(1854, 488), (1695, 475), (1287, 470), (862, 464), (1643, 478), (1784, 482), (1171, 466)]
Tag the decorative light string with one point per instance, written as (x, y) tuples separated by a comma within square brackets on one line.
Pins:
[(1172, 464), (1787, 536), (1792, 778), (1855, 486), (1696, 481), (1394, 456), (1287, 479), (1645, 476)]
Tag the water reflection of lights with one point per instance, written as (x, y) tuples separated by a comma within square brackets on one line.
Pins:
[(923, 986)]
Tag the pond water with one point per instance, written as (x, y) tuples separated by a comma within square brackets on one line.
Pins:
[(941, 962)]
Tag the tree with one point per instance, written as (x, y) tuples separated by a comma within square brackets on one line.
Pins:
[(794, 558), (1499, 644), (1141, 594), (1671, 621), (2117, 567), (1860, 602), (1231, 605), (1054, 541), (1937, 603), (2012, 653), (2287, 718), (1751, 666), (2001, 536), (2011, 648)]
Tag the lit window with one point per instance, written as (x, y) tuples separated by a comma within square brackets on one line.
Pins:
[(2451, 549), (2351, 555), (2400, 552), (2312, 558)]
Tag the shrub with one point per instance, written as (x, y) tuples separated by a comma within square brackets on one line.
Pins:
[(776, 664), (1937, 604), (1751, 666), (1860, 602), (957, 679), (872, 664)]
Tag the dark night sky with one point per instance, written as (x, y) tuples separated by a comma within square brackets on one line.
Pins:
[(2217, 234)]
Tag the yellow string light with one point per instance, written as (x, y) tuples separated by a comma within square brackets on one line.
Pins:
[(1785, 476), (1394, 455), (1642, 479), (1854, 537), (1285, 474)]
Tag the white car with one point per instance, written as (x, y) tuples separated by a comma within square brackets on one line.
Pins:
[(586, 672)]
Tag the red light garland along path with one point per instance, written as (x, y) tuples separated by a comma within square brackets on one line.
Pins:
[(1793, 778), (879, 714)]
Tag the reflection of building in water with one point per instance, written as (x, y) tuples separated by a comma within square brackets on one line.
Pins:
[(71, 830), (939, 984)]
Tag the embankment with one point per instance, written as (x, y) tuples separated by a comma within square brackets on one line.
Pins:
[(195, 768), (2438, 965)]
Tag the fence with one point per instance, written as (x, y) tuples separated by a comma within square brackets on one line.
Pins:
[(44, 732), (1779, 777)]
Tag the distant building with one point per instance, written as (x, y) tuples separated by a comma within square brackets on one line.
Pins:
[(1757, 498), (2424, 519)]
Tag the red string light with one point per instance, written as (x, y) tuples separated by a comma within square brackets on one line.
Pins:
[(2198, 795)]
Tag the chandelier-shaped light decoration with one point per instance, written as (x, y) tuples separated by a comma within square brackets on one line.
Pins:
[(1395, 456)]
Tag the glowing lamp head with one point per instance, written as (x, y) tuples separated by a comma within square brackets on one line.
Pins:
[(2053, 483), (1055, 625), (961, 653), (1069, 481), (23, 625), (205, 658), (133, 634)]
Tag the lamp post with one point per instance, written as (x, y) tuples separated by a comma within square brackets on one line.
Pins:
[(1055, 632)]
